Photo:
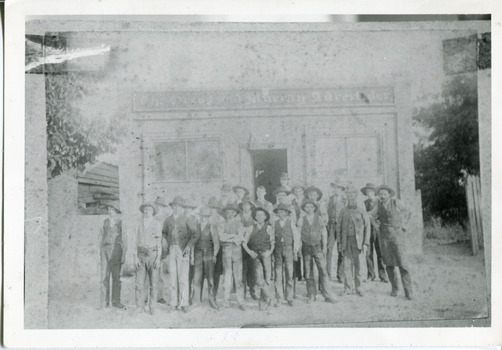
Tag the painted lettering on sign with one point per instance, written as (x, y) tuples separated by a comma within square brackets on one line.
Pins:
[(145, 101)]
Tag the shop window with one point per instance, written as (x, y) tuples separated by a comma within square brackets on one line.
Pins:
[(97, 187), (187, 160)]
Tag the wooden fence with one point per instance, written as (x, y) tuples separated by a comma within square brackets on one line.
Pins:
[(473, 194)]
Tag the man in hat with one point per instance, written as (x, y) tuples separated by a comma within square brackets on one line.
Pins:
[(335, 204), (282, 197), (286, 183), (113, 248), (217, 222), (181, 238), (370, 203), (353, 229), (260, 201), (314, 245), (298, 192), (227, 196), (149, 247), (390, 215), (163, 212), (231, 238), (286, 249), (315, 194), (248, 274), (259, 244), (205, 251), (240, 192)]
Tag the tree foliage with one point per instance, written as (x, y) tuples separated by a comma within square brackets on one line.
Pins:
[(451, 150), (74, 141)]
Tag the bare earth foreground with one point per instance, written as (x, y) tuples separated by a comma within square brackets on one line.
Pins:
[(450, 284)]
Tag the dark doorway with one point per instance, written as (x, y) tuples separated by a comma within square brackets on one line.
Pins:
[(268, 164)]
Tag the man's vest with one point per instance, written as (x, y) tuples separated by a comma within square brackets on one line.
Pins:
[(206, 239), (311, 234), (392, 216), (112, 234), (284, 234), (259, 241)]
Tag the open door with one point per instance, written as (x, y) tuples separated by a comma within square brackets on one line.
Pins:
[(268, 164)]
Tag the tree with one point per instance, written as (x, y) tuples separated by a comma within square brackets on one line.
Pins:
[(72, 140), (451, 150)]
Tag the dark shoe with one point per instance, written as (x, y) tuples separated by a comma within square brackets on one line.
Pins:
[(384, 280), (329, 299), (118, 305), (185, 309), (242, 307), (409, 297), (310, 300), (291, 303), (339, 279), (372, 278), (161, 301), (358, 292), (393, 293)]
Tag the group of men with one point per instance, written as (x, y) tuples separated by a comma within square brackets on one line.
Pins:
[(259, 248)]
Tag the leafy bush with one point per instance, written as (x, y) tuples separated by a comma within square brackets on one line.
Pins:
[(436, 229)]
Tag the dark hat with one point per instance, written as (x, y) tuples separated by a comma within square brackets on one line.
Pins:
[(282, 207), (148, 204), (226, 187), (246, 191), (257, 209), (178, 200), (337, 184), (385, 187), (160, 201), (246, 199), (205, 211), (213, 203), (369, 186), (307, 201), (297, 186), (281, 189), (231, 206), (109, 205), (313, 188)]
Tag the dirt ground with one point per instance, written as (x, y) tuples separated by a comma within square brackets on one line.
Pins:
[(449, 284)]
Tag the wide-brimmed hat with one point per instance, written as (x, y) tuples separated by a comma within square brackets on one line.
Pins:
[(246, 191), (307, 201), (257, 209), (190, 204), (282, 206), (385, 187), (161, 201), (231, 206), (213, 203), (337, 183), (148, 204), (313, 188), (297, 186), (281, 189), (246, 199), (109, 205), (205, 211), (369, 186), (178, 200), (226, 187)]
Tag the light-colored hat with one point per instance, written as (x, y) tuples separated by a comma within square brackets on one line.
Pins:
[(246, 199), (385, 187), (246, 191), (178, 200), (213, 203), (351, 188), (369, 186), (190, 205), (205, 211), (109, 205), (226, 187), (257, 209), (337, 183), (307, 201), (297, 186), (161, 201), (281, 189), (148, 204), (282, 206), (313, 188)]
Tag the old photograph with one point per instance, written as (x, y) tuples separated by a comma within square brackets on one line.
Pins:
[(198, 172)]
